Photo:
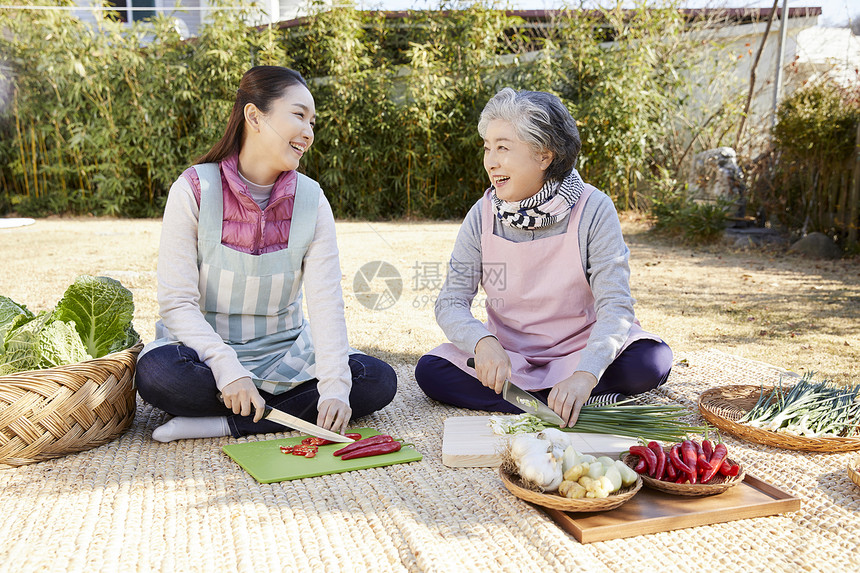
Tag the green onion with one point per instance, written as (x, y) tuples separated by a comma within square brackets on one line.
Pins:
[(637, 421), (810, 409)]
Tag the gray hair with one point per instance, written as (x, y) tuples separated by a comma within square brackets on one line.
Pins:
[(542, 122)]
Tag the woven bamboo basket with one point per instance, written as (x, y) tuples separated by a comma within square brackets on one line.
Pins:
[(724, 405), (718, 484), (854, 470), (554, 501), (49, 413)]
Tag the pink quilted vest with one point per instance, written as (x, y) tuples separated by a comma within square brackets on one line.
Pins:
[(246, 228)]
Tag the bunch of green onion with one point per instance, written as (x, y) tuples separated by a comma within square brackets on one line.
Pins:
[(810, 409), (649, 422)]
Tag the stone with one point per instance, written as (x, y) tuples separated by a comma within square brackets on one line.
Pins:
[(716, 176), (817, 245)]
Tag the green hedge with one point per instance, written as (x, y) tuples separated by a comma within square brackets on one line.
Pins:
[(103, 119), (805, 182)]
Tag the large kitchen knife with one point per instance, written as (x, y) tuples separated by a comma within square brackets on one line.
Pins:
[(525, 401), (295, 423)]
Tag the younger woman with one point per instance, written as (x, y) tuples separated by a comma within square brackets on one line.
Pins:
[(243, 232)]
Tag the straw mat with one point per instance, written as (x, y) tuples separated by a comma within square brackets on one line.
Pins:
[(139, 505)]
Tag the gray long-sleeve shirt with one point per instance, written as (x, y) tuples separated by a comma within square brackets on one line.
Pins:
[(604, 257)]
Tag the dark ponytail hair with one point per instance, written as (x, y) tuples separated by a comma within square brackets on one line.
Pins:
[(260, 86)]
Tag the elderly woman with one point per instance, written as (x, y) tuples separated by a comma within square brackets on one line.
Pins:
[(548, 251)]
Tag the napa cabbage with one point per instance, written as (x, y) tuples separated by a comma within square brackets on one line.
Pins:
[(102, 311), (94, 318)]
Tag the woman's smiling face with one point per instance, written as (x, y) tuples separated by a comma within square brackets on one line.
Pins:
[(515, 170), (290, 126)]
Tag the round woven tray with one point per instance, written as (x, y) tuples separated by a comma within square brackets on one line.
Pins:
[(555, 501), (724, 405), (718, 484), (49, 413), (854, 470)]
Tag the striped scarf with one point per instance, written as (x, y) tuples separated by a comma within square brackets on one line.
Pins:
[(543, 208)]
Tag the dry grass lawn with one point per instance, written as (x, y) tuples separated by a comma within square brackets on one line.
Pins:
[(799, 314)]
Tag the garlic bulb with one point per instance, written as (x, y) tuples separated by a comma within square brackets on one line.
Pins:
[(542, 468)]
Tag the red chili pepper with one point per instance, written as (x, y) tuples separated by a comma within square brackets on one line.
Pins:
[(708, 448), (661, 459), (702, 464), (688, 451), (364, 443), (671, 473), (649, 457), (372, 450), (641, 466), (730, 470), (675, 458), (720, 453)]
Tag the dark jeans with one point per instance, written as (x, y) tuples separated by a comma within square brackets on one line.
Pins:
[(173, 378), (643, 366)]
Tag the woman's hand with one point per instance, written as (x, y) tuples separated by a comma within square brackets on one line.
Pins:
[(492, 363), (334, 415), (240, 395), (568, 396)]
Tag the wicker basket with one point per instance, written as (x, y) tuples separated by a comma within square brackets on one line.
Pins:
[(724, 405), (718, 484), (555, 501), (854, 470), (49, 413)]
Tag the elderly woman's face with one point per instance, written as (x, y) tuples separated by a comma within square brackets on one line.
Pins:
[(514, 169)]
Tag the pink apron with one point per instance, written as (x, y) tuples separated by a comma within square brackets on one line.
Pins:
[(539, 303)]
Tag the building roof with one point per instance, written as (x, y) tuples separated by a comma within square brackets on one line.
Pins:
[(734, 15)]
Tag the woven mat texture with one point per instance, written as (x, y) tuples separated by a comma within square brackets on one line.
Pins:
[(138, 505)]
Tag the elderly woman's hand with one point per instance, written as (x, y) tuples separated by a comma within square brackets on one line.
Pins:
[(568, 396), (492, 364)]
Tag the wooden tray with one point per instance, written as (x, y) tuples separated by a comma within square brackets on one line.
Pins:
[(652, 511), (725, 405)]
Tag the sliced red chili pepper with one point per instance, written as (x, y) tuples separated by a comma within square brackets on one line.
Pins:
[(381, 439), (660, 468), (310, 454), (287, 449), (372, 450), (688, 452), (720, 453), (353, 436), (648, 455)]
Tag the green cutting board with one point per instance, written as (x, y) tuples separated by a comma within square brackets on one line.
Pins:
[(267, 464)]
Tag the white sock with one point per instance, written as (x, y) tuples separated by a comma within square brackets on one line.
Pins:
[(183, 427)]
